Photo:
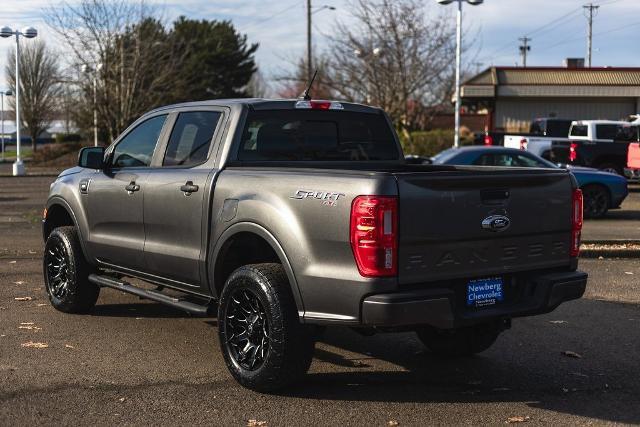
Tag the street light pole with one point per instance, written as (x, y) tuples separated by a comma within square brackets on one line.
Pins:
[(18, 166), (309, 64), (29, 32), (94, 83), (366, 56), (310, 12), (2, 95), (456, 136)]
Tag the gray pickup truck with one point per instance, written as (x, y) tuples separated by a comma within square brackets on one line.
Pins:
[(287, 216)]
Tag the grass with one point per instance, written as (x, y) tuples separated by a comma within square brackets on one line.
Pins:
[(10, 154)]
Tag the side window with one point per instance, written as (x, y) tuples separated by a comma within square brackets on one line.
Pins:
[(579, 130), (136, 148), (191, 138), (485, 160)]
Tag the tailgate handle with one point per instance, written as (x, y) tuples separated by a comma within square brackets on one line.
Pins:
[(494, 195)]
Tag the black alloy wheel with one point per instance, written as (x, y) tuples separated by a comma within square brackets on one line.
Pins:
[(66, 272), (56, 260), (247, 329), (596, 201)]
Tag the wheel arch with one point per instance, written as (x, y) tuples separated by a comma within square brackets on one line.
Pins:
[(59, 213), (217, 273)]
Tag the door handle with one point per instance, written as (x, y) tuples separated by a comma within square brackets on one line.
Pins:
[(132, 187), (189, 188)]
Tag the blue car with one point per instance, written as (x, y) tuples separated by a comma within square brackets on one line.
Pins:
[(602, 190)]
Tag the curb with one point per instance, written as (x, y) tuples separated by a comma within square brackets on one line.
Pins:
[(610, 248), (610, 242), (609, 253)]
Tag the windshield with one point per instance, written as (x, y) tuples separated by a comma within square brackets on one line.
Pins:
[(299, 135)]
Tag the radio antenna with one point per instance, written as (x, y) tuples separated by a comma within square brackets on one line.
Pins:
[(305, 95)]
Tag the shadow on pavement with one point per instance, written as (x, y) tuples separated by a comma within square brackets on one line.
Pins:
[(525, 365), (145, 310)]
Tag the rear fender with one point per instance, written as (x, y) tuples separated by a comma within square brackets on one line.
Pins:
[(275, 245)]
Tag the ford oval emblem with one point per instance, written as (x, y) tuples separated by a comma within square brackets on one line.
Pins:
[(496, 223)]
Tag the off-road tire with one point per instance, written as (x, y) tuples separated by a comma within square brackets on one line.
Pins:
[(79, 294), (290, 344), (459, 342)]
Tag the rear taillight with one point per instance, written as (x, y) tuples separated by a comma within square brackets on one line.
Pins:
[(573, 154), (374, 235), (488, 140), (523, 144), (576, 222)]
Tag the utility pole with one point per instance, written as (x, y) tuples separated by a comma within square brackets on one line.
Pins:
[(309, 64), (524, 49), (589, 13)]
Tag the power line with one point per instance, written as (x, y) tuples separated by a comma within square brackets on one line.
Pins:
[(600, 33), (268, 18)]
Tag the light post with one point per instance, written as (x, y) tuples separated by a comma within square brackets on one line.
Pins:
[(310, 12), (88, 69), (29, 32), (456, 138), (2, 95), (374, 53)]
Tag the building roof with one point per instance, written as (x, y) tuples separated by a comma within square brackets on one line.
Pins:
[(554, 81)]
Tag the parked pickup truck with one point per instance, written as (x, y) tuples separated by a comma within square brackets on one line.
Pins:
[(597, 144), (287, 216), (632, 169), (541, 133)]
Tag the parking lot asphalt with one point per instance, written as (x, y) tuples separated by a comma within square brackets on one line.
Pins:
[(137, 362), (618, 224)]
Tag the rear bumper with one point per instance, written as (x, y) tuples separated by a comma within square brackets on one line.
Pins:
[(442, 308)]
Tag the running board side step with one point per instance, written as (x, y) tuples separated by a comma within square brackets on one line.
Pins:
[(110, 282)]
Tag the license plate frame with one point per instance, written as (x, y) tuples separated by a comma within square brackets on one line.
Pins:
[(484, 292)]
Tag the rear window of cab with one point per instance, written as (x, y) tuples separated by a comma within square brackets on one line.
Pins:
[(312, 135)]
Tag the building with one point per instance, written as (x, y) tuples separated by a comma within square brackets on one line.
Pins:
[(513, 96)]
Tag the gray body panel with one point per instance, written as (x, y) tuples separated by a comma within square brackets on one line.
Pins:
[(167, 237)]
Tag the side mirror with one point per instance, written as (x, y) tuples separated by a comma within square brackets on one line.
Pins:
[(91, 158)]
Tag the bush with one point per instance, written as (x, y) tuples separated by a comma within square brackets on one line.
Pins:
[(50, 152), (429, 143), (62, 138)]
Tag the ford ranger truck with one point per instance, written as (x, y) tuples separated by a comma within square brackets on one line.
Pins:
[(283, 217)]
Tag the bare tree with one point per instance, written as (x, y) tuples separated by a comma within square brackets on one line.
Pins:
[(126, 50), (294, 80), (396, 53), (39, 88)]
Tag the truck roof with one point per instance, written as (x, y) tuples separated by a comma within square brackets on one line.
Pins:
[(265, 104), (599, 122)]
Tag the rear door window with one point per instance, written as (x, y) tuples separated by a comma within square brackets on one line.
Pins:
[(607, 131), (558, 128), (299, 135), (191, 138)]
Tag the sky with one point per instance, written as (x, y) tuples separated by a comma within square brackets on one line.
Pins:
[(557, 28)]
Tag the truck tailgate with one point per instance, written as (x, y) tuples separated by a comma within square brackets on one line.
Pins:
[(633, 156), (441, 215)]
